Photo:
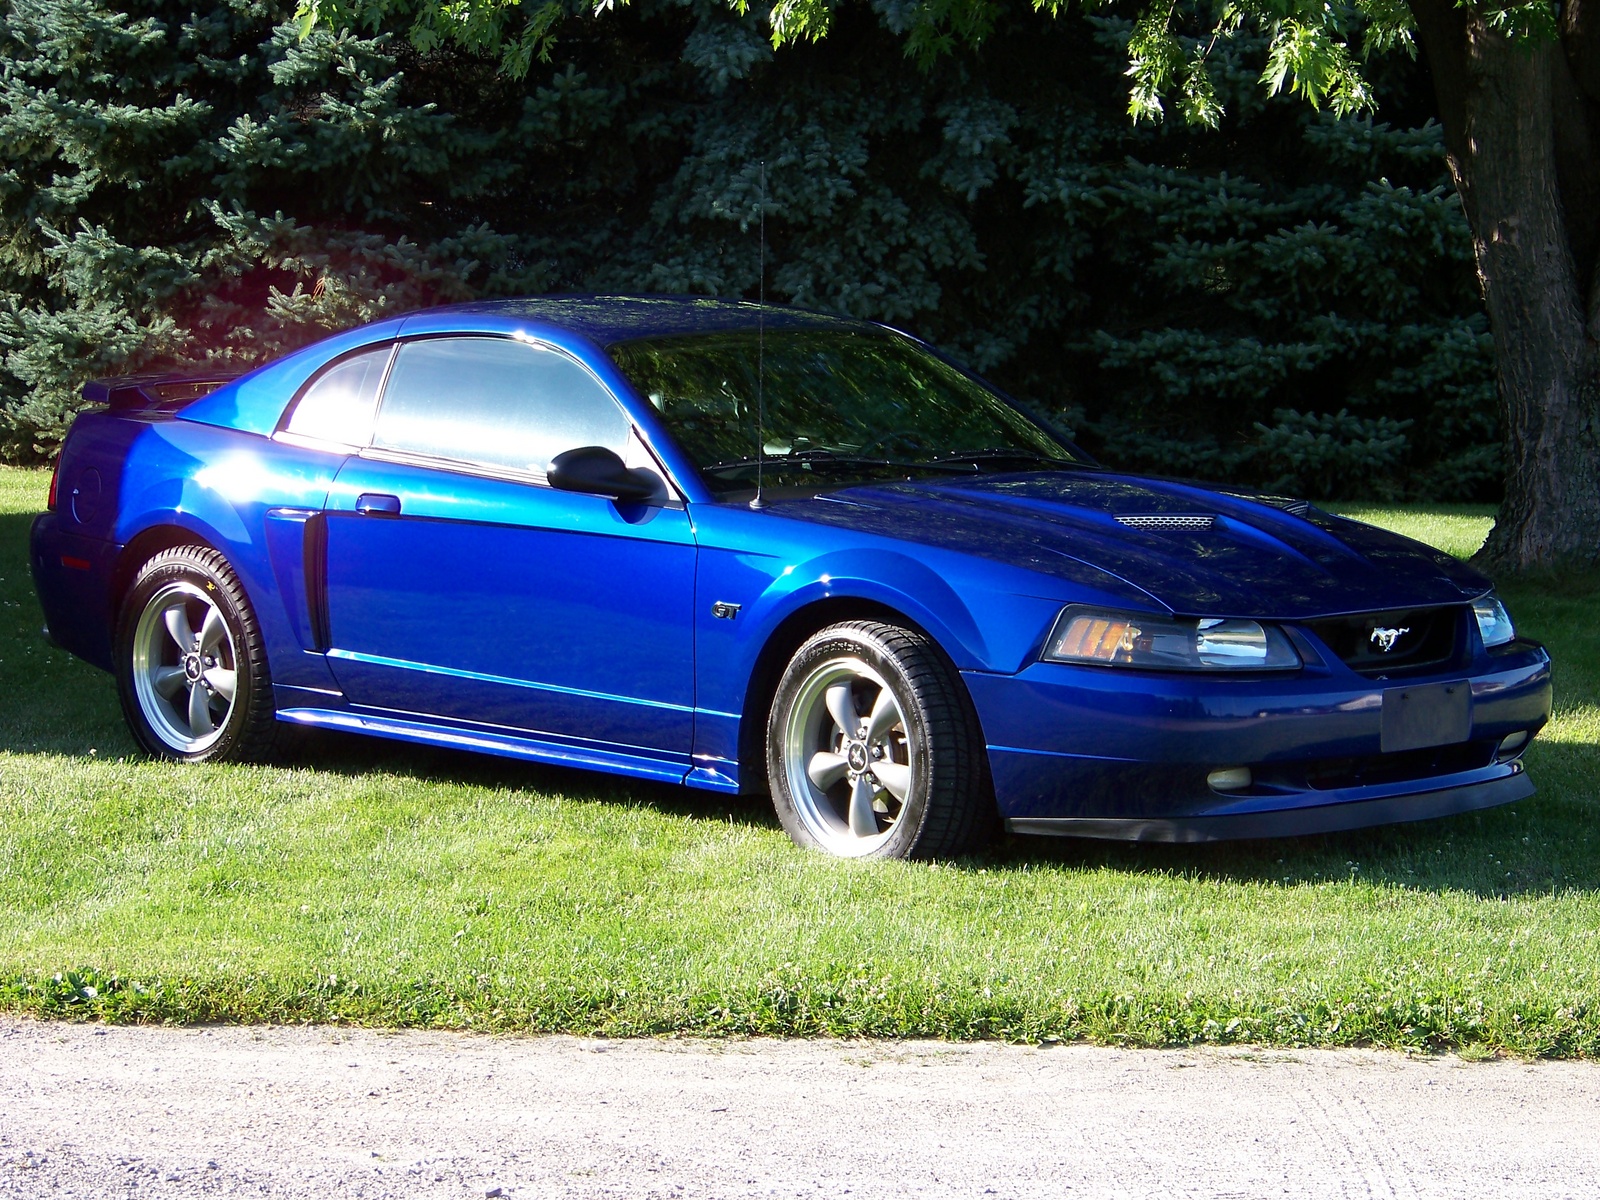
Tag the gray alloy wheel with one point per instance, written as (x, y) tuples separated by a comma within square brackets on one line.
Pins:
[(185, 667), (848, 756), (191, 665), (873, 748)]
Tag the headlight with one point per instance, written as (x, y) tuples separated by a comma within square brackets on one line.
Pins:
[(1086, 635), (1494, 622)]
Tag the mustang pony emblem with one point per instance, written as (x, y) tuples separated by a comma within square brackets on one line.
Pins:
[(1386, 638)]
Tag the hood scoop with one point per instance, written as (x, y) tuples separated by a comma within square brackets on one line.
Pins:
[(1289, 504), (1166, 520)]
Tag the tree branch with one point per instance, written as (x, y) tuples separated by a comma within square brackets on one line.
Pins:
[(1577, 115), (1577, 153), (1580, 38), (1442, 31)]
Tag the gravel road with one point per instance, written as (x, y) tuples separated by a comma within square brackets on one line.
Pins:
[(91, 1111)]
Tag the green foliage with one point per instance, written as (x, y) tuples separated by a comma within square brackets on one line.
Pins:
[(191, 184), (514, 33), (151, 156), (1316, 454)]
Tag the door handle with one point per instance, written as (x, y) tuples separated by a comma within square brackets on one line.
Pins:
[(378, 504)]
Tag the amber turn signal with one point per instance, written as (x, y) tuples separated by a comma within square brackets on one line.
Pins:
[(1094, 638)]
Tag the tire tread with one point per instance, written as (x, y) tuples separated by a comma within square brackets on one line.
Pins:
[(960, 815), (261, 736)]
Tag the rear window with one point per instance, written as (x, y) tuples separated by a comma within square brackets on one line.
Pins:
[(338, 406)]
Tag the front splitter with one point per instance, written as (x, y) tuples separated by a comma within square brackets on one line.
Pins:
[(1288, 822)]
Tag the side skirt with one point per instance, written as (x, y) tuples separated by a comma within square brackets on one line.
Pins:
[(506, 745)]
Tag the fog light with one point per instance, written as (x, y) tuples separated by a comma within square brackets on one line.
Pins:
[(1229, 779), (1512, 745)]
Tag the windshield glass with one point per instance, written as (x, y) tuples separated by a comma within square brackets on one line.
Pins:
[(840, 407)]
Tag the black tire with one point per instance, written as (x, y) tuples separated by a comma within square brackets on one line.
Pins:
[(161, 709), (930, 741)]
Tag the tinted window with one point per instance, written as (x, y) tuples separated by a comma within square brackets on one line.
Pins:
[(338, 406), (495, 401)]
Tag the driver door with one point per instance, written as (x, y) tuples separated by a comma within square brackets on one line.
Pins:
[(461, 587)]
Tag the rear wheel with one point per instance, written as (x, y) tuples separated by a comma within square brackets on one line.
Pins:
[(191, 665), (872, 748)]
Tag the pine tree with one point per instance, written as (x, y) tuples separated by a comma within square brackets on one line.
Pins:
[(182, 187), (1287, 302)]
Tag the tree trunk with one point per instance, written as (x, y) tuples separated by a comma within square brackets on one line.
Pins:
[(1520, 135)]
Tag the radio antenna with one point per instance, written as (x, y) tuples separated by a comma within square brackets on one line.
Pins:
[(761, 344)]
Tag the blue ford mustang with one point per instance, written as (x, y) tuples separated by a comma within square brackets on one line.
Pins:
[(758, 549)]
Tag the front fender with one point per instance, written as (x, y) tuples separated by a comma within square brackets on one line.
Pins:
[(757, 571), (897, 582)]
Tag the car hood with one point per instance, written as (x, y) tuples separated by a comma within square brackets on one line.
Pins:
[(1192, 549)]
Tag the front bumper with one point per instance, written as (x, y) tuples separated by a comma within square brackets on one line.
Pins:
[(1111, 753)]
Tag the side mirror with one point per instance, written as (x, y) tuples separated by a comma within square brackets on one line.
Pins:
[(600, 472)]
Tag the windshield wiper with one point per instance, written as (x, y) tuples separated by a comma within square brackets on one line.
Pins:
[(993, 455), (823, 458)]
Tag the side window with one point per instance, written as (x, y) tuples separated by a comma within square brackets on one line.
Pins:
[(338, 406), (495, 402)]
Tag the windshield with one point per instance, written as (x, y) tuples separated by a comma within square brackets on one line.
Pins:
[(839, 407)]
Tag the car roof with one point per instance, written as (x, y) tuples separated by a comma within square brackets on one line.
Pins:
[(608, 319), (254, 402)]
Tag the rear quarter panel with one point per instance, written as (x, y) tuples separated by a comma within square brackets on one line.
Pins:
[(222, 486)]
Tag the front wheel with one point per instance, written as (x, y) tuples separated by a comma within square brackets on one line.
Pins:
[(191, 666), (873, 750)]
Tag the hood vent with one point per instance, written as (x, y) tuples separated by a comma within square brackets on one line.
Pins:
[(1166, 520)]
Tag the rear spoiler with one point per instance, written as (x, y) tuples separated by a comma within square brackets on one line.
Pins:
[(154, 393)]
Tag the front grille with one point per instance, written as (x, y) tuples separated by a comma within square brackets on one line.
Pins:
[(1418, 640), (1167, 520)]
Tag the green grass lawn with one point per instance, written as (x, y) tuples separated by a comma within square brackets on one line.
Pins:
[(376, 883)]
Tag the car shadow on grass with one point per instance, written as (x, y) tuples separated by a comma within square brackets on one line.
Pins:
[(51, 703), (1547, 843), (352, 755)]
